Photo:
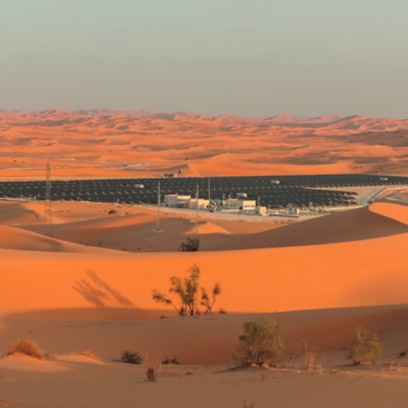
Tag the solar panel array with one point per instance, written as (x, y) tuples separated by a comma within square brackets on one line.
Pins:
[(271, 191)]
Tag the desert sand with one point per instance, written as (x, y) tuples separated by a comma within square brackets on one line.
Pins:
[(110, 143), (85, 300), (83, 289)]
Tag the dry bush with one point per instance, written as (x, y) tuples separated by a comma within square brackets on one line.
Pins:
[(191, 245), (313, 365), (29, 347), (170, 361), (131, 357), (366, 347), (262, 343)]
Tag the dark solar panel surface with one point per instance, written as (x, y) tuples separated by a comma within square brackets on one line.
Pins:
[(298, 191)]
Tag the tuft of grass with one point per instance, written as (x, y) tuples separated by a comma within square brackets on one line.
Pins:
[(131, 357), (313, 365), (28, 347)]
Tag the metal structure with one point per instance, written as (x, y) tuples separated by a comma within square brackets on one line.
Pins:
[(275, 192), (48, 200), (158, 229)]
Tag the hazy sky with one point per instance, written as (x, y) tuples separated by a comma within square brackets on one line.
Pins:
[(245, 57)]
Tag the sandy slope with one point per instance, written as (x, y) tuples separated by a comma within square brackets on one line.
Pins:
[(68, 379), (100, 300), (360, 270)]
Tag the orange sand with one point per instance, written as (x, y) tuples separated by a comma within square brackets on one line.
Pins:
[(139, 144), (88, 287)]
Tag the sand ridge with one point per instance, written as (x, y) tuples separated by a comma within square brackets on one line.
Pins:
[(109, 143), (364, 271)]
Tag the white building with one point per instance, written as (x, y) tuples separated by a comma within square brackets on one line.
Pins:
[(177, 201), (201, 202), (262, 210), (241, 205)]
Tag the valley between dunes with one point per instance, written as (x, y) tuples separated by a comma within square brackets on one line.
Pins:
[(85, 295)]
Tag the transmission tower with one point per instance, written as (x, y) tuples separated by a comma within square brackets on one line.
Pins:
[(158, 229), (48, 202), (196, 220)]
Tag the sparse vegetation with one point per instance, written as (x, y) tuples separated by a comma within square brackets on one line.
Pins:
[(169, 361), (262, 343), (131, 357), (29, 347), (191, 245), (186, 292), (366, 347), (313, 365), (112, 211)]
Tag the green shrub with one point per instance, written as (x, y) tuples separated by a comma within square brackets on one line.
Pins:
[(131, 357), (261, 342), (186, 292), (366, 347), (191, 245), (28, 347)]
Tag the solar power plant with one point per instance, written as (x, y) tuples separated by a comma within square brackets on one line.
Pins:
[(271, 191)]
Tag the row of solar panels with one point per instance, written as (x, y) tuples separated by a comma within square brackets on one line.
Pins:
[(271, 191)]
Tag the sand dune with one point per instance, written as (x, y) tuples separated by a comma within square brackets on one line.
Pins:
[(358, 224), (75, 295), (91, 144), (17, 239), (317, 278), (366, 271)]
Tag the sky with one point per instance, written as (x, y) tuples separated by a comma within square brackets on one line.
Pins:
[(241, 57)]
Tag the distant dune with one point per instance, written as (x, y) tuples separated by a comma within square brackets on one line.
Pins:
[(109, 143)]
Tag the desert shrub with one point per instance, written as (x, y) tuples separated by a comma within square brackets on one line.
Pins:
[(261, 342), (112, 211), (191, 245), (186, 291), (366, 347), (167, 361), (131, 357), (28, 347)]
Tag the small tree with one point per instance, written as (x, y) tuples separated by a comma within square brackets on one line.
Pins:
[(261, 342), (191, 245), (366, 347), (207, 301), (186, 291)]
